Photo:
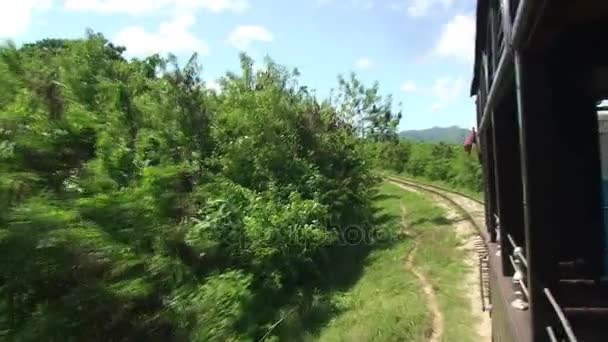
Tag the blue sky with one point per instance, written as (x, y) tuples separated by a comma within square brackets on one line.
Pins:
[(421, 51)]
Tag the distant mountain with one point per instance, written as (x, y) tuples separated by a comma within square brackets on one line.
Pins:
[(453, 134)]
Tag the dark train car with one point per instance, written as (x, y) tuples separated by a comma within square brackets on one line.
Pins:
[(540, 75)]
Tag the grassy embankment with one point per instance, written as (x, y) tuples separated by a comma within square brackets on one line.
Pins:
[(386, 303)]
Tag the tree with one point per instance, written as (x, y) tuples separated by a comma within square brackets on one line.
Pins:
[(135, 204), (369, 114)]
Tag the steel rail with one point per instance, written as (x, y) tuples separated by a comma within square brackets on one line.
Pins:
[(434, 187), (441, 193)]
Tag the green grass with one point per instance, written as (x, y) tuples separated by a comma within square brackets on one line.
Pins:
[(387, 303), (477, 195), (440, 259)]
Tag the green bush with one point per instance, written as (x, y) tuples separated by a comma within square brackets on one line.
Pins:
[(441, 162), (138, 205)]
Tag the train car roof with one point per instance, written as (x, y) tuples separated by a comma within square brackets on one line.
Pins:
[(551, 20), (480, 37)]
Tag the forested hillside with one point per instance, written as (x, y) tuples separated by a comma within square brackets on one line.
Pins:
[(452, 134), (138, 204)]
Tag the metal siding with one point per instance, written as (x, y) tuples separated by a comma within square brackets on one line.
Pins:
[(603, 137)]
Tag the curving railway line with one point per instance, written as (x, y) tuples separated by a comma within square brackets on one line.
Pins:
[(472, 210)]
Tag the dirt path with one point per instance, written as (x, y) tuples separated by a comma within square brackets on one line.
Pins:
[(467, 233), (434, 333)]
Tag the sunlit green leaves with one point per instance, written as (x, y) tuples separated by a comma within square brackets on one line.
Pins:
[(136, 204)]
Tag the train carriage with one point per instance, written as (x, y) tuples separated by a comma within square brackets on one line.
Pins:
[(541, 69)]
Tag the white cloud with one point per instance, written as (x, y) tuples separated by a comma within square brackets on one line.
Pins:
[(458, 38), (364, 63), (358, 4), (408, 87), (16, 16), (447, 90), (217, 6), (139, 7), (419, 8), (172, 36), (244, 35)]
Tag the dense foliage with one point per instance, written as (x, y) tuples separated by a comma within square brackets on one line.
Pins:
[(136, 204), (446, 163)]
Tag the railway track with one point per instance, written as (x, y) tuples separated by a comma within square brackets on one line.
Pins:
[(473, 210)]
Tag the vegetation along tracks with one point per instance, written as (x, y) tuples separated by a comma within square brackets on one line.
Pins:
[(469, 206), (472, 211)]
